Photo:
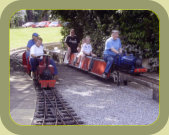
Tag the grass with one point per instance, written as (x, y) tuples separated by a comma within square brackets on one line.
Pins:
[(19, 37)]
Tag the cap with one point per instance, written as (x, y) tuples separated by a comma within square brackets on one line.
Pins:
[(35, 34)]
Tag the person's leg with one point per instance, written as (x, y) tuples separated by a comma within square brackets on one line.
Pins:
[(79, 57), (82, 58), (109, 60), (69, 52), (34, 64)]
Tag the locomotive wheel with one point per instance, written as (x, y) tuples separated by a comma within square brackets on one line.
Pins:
[(125, 82), (116, 77)]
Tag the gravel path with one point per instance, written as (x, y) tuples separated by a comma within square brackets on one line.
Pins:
[(100, 102)]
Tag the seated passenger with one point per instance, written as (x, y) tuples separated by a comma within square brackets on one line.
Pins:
[(86, 49), (72, 42), (36, 53), (30, 44)]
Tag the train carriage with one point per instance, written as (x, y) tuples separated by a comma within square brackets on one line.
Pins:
[(122, 63)]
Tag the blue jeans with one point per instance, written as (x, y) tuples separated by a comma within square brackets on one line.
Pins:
[(109, 60), (35, 62)]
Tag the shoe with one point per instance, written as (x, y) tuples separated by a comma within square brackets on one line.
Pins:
[(67, 62), (32, 75), (80, 65), (57, 82), (104, 75), (59, 79)]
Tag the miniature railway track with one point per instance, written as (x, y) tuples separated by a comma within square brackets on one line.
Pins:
[(149, 79), (52, 109), (16, 60)]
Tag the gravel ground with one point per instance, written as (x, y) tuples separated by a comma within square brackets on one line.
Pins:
[(100, 102)]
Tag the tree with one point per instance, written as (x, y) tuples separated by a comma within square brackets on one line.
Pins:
[(139, 28), (16, 20), (30, 16)]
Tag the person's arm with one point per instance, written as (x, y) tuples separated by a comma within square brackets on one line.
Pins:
[(115, 51), (67, 42), (67, 45), (120, 50), (28, 45), (78, 46), (91, 53), (44, 51), (32, 52), (28, 49), (33, 56)]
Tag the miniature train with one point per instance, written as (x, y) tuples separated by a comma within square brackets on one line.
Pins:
[(44, 74), (123, 63)]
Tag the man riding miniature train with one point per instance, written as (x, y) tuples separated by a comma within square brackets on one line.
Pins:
[(36, 55), (31, 42), (112, 48)]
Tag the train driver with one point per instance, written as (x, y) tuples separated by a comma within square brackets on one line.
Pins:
[(72, 42), (113, 47), (31, 42), (36, 51)]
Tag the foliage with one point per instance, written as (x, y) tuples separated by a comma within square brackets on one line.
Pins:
[(23, 16), (16, 20), (139, 28)]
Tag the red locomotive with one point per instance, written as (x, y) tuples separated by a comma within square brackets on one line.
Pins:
[(45, 71)]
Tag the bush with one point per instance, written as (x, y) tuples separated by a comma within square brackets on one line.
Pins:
[(139, 28)]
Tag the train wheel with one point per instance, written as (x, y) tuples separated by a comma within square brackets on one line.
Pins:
[(125, 82), (116, 77)]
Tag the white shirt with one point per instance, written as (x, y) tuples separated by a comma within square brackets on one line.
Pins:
[(37, 51), (87, 48)]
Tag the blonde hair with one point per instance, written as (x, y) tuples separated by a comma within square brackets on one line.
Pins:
[(39, 38), (87, 37)]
